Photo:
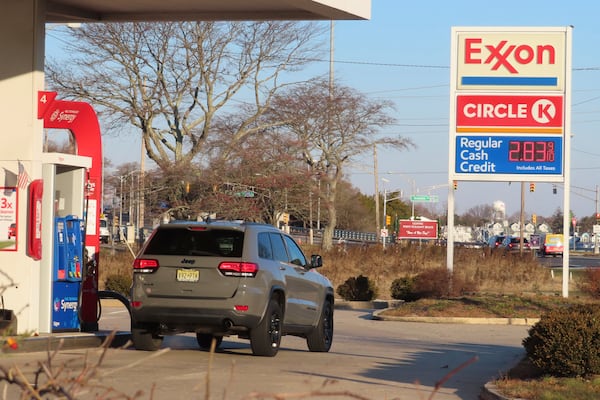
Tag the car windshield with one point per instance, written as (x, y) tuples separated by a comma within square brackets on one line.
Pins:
[(188, 242)]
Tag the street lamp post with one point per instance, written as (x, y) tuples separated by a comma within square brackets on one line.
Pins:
[(384, 225), (120, 206)]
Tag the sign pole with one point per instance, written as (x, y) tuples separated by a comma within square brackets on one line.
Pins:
[(567, 174)]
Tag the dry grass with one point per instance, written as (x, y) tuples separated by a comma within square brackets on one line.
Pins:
[(525, 381), (488, 306), (490, 272), (114, 262)]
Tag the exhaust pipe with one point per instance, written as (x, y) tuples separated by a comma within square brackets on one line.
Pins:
[(227, 324)]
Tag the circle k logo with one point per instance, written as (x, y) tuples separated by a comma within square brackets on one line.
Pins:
[(543, 111)]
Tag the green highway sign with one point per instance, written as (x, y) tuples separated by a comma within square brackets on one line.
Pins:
[(424, 198)]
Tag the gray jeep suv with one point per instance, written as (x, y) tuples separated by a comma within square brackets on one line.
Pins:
[(229, 278)]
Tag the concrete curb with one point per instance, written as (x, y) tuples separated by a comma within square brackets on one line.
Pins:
[(377, 315), (380, 306), (69, 341), (490, 392), (366, 305)]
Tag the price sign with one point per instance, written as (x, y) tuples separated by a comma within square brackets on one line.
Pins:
[(509, 155)]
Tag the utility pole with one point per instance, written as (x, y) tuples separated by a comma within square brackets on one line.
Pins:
[(596, 250), (522, 219), (384, 219), (376, 176), (141, 196)]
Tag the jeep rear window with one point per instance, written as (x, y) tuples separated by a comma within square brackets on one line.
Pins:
[(184, 242)]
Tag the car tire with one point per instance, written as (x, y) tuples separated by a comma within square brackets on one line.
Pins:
[(205, 340), (319, 339), (266, 337), (145, 339)]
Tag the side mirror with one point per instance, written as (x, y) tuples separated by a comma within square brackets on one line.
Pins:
[(316, 261)]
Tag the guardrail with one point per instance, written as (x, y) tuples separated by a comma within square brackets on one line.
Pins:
[(340, 234)]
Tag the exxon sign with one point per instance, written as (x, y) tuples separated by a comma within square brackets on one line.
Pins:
[(511, 60)]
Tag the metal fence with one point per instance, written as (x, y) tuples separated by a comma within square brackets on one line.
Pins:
[(339, 235)]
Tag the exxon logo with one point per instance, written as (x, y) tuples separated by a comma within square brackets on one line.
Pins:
[(505, 55)]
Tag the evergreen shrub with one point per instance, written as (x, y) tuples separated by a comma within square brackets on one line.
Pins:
[(358, 288), (566, 341)]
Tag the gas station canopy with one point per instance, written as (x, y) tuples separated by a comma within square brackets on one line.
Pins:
[(63, 11)]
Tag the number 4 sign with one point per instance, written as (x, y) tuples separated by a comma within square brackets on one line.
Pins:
[(44, 101)]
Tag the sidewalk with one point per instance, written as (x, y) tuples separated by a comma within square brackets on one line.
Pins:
[(78, 340)]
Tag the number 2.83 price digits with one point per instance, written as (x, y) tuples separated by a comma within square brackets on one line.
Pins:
[(531, 151)]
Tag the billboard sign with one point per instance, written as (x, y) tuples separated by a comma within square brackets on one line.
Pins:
[(509, 104), (410, 229)]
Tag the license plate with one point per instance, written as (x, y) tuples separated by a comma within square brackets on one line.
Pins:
[(188, 275)]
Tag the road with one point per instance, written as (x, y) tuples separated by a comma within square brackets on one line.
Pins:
[(576, 260), (369, 359)]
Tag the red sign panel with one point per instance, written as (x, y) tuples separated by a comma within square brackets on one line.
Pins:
[(418, 229), (517, 111)]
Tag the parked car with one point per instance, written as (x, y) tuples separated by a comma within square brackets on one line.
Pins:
[(512, 243), (229, 278), (104, 232), (551, 244), (496, 241), (579, 244)]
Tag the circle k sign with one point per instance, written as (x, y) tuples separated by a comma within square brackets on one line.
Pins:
[(542, 113)]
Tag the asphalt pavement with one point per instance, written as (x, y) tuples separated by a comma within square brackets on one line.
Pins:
[(373, 359)]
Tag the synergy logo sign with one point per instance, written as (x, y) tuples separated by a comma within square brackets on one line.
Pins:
[(501, 60)]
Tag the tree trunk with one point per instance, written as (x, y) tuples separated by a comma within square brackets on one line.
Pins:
[(330, 196)]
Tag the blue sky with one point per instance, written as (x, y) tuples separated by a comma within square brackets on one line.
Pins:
[(402, 54)]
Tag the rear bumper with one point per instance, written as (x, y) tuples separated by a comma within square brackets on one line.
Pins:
[(194, 319)]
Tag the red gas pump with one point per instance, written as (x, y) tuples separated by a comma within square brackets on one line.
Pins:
[(81, 120)]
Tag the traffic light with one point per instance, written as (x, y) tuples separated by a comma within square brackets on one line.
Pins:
[(534, 219), (388, 220), (532, 187), (455, 185)]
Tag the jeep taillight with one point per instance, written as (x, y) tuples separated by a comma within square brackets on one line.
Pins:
[(238, 269), (145, 265)]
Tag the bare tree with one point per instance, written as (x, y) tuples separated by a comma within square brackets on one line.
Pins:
[(265, 176), (479, 215), (336, 123), (172, 80)]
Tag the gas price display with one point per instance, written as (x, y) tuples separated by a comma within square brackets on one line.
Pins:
[(531, 151), (509, 155)]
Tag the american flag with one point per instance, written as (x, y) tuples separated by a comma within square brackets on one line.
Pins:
[(23, 177)]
